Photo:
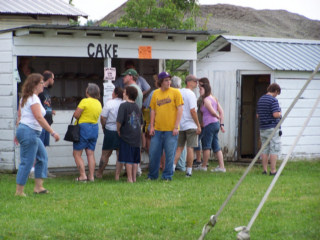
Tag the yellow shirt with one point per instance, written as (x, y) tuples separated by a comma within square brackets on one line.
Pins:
[(91, 110), (165, 104)]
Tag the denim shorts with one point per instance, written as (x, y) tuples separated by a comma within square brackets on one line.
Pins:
[(110, 140), (210, 137), (274, 146), (88, 137), (128, 154)]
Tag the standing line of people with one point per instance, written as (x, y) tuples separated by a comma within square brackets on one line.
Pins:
[(177, 119)]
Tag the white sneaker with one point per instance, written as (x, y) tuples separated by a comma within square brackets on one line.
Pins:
[(200, 168), (139, 171), (31, 174), (50, 175), (218, 169)]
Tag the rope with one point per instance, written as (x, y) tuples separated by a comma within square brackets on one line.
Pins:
[(208, 226)]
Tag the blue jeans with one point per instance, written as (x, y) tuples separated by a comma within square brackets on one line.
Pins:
[(162, 140), (45, 137), (210, 137), (31, 148)]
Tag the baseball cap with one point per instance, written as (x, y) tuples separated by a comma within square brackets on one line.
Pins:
[(131, 72), (163, 75), (191, 78)]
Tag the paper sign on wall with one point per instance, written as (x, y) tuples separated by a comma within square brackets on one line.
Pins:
[(145, 52), (109, 74)]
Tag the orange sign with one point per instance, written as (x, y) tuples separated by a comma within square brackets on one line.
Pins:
[(145, 52)]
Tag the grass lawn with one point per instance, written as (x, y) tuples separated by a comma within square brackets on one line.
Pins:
[(106, 209)]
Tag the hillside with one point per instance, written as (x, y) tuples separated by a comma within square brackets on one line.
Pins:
[(245, 21)]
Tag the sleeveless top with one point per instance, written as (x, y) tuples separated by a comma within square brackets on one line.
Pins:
[(207, 117)]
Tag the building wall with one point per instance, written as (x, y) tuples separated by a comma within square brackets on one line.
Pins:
[(8, 103), (8, 22), (291, 83), (222, 69), (51, 45)]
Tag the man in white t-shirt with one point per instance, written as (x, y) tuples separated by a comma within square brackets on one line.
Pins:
[(189, 124)]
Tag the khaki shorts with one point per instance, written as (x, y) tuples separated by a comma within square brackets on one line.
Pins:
[(274, 146), (190, 136)]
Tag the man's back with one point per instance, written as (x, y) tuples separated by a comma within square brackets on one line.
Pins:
[(190, 102)]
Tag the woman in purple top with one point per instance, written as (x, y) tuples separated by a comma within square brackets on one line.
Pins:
[(212, 120)]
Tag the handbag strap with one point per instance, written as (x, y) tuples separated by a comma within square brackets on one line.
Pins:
[(72, 121)]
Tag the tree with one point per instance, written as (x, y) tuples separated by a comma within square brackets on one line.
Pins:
[(170, 14)]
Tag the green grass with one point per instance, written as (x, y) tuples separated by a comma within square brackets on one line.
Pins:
[(178, 209)]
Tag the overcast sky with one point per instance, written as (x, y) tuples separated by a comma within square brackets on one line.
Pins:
[(97, 9)]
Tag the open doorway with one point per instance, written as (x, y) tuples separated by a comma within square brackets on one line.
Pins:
[(252, 88)]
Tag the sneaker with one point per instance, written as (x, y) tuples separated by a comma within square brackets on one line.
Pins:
[(50, 175), (264, 172), (188, 175), (200, 168), (195, 163), (31, 175), (218, 169), (139, 171), (272, 174)]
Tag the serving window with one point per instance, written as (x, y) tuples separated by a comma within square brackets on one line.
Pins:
[(72, 76)]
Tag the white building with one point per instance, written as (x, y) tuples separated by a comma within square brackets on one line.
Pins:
[(77, 55), (241, 68)]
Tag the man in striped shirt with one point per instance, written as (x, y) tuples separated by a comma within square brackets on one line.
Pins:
[(269, 114)]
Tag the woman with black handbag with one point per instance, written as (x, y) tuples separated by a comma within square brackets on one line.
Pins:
[(87, 115)]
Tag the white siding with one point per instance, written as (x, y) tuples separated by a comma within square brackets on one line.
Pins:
[(7, 22), (71, 46), (221, 69), (60, 153), (291, 84), (234, 60), (7, 96)]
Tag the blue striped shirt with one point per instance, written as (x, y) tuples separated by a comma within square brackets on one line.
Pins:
[(267, 105)]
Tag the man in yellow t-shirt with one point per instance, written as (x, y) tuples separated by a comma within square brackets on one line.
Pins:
[(166, 111)]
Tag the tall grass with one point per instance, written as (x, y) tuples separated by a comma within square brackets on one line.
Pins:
[(106, 209)]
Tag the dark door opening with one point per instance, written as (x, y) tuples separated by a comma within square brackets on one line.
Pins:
[(252, 88)]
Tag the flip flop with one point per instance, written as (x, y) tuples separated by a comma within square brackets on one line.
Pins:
[(81, 180), (42, 192)]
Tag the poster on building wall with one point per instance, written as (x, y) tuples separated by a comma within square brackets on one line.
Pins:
[(109, 74)]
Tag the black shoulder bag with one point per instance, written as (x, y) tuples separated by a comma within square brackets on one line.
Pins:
[(73, 132)]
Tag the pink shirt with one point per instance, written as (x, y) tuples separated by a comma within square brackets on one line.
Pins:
[(207, 117)]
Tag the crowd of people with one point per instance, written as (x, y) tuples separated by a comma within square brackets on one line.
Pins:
[(169, 124)]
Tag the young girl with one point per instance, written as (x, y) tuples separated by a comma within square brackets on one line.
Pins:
[(129, 122)]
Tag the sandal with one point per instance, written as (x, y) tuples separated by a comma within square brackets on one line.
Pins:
[(45, 191), (81, 180)]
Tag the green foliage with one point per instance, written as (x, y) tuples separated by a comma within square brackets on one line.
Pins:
[(106, 209), (170, 14), (74, 23), (202, 44)]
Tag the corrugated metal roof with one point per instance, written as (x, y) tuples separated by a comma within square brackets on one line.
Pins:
[(39, 7), (280, 54)]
